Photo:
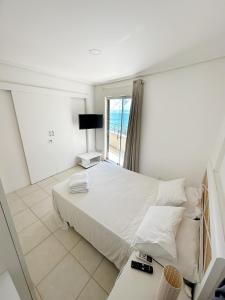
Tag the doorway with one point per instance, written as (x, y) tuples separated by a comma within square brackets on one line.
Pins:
[(118, 112)]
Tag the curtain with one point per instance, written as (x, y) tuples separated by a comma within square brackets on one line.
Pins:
[(131, 156)]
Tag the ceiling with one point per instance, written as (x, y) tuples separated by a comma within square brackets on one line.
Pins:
[(135, 37)]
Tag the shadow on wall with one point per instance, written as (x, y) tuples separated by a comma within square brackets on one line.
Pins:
[(209, 49)]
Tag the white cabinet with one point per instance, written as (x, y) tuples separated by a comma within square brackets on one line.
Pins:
[(90, 159), (49, 130)]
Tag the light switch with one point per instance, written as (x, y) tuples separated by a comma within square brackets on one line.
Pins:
[(51, 133)]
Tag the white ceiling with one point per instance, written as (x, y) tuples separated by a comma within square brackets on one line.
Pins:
[(135, 37)]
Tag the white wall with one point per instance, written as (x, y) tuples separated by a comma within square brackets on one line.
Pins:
[(218, 159), (23, 80), (37, 114), (182, 113), (12, 74), (13, 169)]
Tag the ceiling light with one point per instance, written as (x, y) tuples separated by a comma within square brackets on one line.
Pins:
[(94, 51)]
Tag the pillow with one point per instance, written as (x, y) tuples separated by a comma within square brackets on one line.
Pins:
[(171, 193), (193, 203), (188, 247), (157, 232), (194, 195)]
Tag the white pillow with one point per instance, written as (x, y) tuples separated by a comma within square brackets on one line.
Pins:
[(194, 195), (193, 203), (188, 247), (171, 193), (157, 232)]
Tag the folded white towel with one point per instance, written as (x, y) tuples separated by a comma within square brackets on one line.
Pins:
[(78, 183), (78, 179), (80, 187), (79, 191)]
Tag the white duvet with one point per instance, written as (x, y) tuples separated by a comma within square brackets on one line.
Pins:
[(110, 213)]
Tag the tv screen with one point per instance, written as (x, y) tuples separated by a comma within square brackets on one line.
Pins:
[(89, 121)]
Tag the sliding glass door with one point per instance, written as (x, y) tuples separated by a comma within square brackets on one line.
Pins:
[(118, 111)]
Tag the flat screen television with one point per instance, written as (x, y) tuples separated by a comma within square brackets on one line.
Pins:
[(90, 121)]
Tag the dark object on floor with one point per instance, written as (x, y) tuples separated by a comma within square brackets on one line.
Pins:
[(220, 291)]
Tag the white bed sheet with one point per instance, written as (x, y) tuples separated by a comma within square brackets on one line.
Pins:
[(110, 213)]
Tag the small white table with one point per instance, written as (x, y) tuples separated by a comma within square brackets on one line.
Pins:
[(133, 284), (87, 160)]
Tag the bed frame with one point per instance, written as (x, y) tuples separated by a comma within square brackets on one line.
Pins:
[(212, 235)]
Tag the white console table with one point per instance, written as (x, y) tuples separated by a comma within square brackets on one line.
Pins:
[(87, 160)]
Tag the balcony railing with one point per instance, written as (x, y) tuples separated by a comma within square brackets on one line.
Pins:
[(115, 152)]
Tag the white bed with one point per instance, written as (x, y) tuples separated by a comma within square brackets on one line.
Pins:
[(110, 213), (213, 225)]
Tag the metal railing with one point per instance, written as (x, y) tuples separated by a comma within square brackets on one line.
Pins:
[(116, 128)]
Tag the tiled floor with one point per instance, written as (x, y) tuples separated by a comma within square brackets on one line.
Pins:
[(62, 265)]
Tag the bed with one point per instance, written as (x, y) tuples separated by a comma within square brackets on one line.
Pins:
[(212, 252), (110, 213)]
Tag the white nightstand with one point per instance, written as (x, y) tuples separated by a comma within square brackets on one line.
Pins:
[(132, 284), (87, 160)]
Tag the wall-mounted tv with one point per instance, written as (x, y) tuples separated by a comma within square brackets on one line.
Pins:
[(90, 121)]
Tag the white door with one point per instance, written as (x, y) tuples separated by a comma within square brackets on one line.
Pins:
[(69, 140), (49, 131)]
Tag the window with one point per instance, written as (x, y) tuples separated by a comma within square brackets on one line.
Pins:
[(118, 112)]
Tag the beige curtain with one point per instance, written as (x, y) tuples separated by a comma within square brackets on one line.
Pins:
[(131, 157)]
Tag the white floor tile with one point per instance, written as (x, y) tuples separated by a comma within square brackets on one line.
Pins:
[(106, 275), (32, 236), (73, 170), (48, 188), (69, 238), (37, 294), (87, 255), (16, 205), (34, 197), (12, 196), (43, 207), (93, 291), (66, 174), (57, 274), (42, 259), (27, 190), (65, 282), (24, 219), (62, 176), (52, 221), (47, 181)]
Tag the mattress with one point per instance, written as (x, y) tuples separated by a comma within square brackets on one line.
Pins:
[(109, 214)]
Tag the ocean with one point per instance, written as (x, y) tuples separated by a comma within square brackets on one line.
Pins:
[(115, 122)]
